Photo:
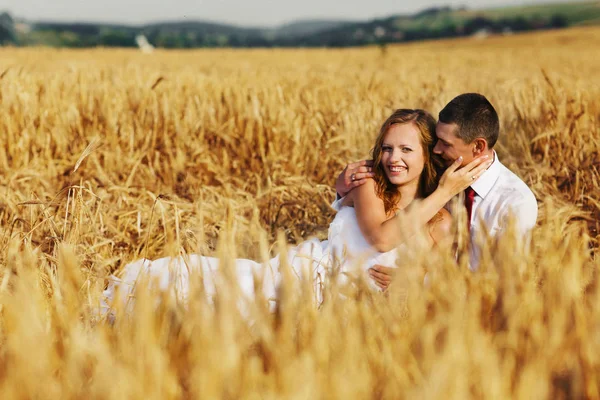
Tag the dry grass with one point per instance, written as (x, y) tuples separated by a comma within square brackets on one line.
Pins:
[(111, 155)]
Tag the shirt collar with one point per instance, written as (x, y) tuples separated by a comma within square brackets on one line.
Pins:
[(483, 185)]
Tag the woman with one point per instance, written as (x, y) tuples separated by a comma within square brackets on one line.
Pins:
[(363, 233)]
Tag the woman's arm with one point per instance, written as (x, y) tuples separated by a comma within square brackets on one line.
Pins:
[(386, 234), (440, 229), (370, 213)]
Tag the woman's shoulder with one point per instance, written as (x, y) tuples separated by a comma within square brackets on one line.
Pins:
[(367, 190), (440, 224), (369, 185)]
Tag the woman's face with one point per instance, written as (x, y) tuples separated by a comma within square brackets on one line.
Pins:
[(402, 155)]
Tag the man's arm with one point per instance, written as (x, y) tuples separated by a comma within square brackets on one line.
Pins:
[(354, 175), (382, 276), (526, 213), (522, 214)]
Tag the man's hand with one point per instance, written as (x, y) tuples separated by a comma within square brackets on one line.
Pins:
[(354, 175), (382, 276)]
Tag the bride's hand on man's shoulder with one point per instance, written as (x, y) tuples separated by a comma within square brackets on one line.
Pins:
[(355, 174)]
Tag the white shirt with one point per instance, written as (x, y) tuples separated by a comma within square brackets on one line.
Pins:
[(499, 196)]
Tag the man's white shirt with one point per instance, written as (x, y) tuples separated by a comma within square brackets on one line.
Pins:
[(499, 194)]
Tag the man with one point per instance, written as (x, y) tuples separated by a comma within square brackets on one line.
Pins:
[(468, 127)]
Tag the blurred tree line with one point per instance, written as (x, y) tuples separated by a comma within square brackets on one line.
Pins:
[(432, 23)]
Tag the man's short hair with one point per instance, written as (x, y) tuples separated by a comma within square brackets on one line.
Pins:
[(475, 117)]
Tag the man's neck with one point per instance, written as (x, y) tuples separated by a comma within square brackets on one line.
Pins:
[(483, 184), (491, 153)]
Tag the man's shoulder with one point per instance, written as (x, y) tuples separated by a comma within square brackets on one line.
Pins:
[(510, 185)]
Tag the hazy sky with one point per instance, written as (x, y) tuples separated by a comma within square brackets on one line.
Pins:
[(240, 12)]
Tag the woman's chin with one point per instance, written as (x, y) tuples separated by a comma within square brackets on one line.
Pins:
[(397, 180)]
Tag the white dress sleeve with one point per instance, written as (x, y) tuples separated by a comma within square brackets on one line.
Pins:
[(337, 204)]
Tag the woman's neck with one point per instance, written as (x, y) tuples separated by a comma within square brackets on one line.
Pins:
[(408, 193)]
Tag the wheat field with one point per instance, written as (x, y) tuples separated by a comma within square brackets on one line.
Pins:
[(112, 155)]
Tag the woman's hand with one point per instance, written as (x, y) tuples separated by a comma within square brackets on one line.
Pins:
[(457, 179), (354, 175)]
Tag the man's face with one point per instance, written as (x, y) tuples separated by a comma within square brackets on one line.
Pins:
[(449, 146)]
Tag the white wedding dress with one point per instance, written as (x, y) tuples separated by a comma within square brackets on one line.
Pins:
[(344, 255)]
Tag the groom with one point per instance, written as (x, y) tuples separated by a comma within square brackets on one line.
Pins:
[(468, 126)]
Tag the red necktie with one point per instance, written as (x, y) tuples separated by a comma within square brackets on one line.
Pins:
[(469, 197)]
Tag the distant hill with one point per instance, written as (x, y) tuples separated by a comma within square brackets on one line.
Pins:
[(308, 27), (446, 22), (7, 28), (173, 33), (200, 27), (432, 23)]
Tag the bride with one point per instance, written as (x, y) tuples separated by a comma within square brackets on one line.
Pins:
[(374, 223)]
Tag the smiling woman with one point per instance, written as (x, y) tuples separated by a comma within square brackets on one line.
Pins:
[(405, 169), (405, 142), (399, 155)]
